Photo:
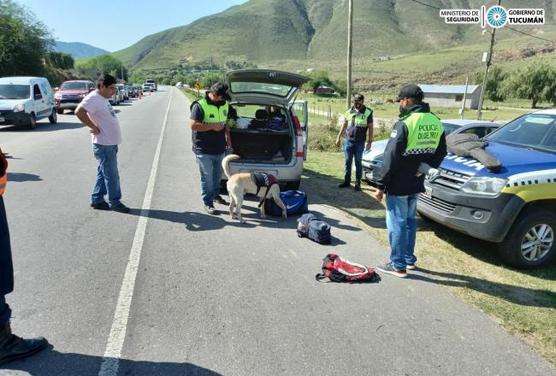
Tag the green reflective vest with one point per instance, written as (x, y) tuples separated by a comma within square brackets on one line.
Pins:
[(356, 118), (212, 113), (424, 130)]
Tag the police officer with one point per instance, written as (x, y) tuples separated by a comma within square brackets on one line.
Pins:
[(211, 136), (418, 137), (359, 124), (12, 347)]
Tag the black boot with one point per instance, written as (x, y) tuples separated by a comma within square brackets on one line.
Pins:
[(344, 184), (13, 347), (357, 186)]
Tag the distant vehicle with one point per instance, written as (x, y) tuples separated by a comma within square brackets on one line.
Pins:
[(270, 130), (25, 100), (71, 93), (515, 206), (373, 158), (148, 88), (179, 85), (124, 91), (153, 82)]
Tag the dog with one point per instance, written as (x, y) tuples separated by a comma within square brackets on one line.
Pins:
[(241, 183)]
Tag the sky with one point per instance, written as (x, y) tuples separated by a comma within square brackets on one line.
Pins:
[(116, 24)]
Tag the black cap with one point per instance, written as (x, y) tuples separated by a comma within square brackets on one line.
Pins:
[(410, 91), (220, 88)]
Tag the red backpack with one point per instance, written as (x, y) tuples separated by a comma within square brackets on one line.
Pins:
[(336, 269)]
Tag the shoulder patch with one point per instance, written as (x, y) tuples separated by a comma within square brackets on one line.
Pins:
[(394, 133)]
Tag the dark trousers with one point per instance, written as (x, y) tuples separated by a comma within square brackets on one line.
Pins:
[(353, 150), (6, 267)]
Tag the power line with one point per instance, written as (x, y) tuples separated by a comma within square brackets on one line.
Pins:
[(529, 35), (427, 5)]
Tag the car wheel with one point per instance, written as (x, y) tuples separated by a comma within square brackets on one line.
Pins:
[(60, 111), (53, 118), (531, 241), (32, 124)]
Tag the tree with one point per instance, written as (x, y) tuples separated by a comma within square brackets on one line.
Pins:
[(59, 60), (550, 88), (530, 82), (494, 89), (92, 68), (24, 41)]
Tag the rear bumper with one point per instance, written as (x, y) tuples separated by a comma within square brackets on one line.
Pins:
[(66, 105)]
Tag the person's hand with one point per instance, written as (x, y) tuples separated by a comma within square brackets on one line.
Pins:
[(368, 145), (378, 195), (338, 141), (94, 130), (217, 127)]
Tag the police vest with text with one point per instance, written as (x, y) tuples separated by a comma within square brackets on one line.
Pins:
[(211, 142), (424, 131), (357, 127)]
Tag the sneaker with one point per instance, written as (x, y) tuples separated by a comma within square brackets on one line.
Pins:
[(120, 208), (103, 205), (357, 187), (210, 209), (411, 266), (390, 269), (344, 184), (220, 200)]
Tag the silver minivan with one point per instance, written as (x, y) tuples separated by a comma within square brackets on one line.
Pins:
[(25, 100), (269, 128)]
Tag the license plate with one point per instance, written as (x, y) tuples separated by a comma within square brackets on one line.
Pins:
[(428, 192), (2, 119)]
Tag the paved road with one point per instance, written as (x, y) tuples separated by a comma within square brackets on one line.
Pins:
[(169, 290)]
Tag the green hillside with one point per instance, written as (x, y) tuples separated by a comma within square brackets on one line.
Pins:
[(276, 31)]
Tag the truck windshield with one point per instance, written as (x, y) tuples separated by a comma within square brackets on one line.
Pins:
[(535, 131), (15, 91)]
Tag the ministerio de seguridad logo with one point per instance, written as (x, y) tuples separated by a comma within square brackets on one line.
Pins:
[(496, 16)]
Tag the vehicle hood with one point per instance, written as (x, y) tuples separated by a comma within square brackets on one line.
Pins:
[(8, 104), (376, 151), (514, 160)]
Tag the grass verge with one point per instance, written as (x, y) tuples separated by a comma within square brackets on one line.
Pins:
[(523, 302)]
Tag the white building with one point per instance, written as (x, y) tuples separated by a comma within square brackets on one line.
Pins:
[(451, 95)]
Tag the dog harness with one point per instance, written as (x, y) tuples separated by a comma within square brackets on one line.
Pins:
[(263, 180)]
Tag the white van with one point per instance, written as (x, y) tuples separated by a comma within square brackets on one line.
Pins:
[(25, 100), (270, 128)]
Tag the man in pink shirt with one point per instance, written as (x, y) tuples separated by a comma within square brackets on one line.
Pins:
[(96, 113)]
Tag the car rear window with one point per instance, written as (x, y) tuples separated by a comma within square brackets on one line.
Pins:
[(74, 86), (259, 87), (14, 91), (449, 128), (533, 131)]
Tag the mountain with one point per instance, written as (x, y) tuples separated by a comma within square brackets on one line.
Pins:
[(267, 31), (78, 50)]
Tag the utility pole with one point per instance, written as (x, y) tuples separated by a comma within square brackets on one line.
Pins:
[(462, 109), (349, 52), (488, 62)]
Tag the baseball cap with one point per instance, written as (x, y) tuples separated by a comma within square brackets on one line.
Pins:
[(410, 91), (221, 88)]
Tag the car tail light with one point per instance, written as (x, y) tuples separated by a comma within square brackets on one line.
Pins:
[(299, 135)]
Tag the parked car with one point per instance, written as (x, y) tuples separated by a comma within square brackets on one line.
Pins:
[(71, 93), (514, 207), (147, 88), (267, 133), (25, 100), (123, 91), (373, 158)]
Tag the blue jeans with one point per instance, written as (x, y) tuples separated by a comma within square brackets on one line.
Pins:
[(210, 168), (402, 229), (353, 150), (108, 178)]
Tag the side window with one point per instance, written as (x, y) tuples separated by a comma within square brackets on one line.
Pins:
[(489, 130), (37, 92), (479, 131), (44, 89)]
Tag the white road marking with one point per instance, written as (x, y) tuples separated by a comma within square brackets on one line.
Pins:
[(113, 352)]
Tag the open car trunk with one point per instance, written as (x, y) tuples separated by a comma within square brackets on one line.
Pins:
[(263, 145)]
